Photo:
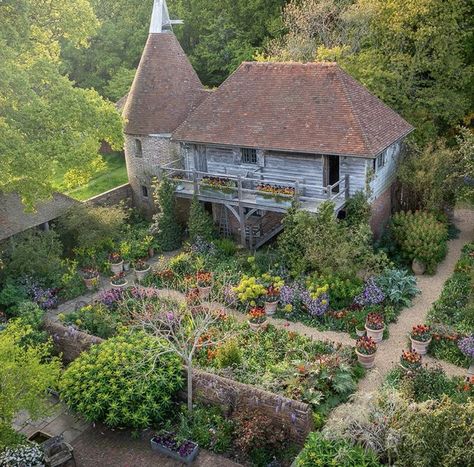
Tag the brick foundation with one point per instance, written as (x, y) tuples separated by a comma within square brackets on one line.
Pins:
[(381, 211)]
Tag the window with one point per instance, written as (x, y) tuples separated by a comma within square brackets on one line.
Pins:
[(144, 191), (138, 148), (249, 156), (380, 160)]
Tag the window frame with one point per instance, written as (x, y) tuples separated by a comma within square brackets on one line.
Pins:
[(138, 147), (248, 156), (145, 191), (380, 161)]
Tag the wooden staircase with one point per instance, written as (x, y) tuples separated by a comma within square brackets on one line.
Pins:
[(259, 230)]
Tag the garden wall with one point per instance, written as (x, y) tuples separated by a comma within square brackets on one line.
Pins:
[(113, 196), (208, 388)]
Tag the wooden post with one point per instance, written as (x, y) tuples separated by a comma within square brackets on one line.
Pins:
[(329, 191), (241, 212), (195, 182), (297, 189), (347, 186)]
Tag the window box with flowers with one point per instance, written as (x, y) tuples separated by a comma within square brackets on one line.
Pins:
[(375, 326), (410, 360), (116, 263), (275, 195), (118, 281), (141, 268), (420, 337), (219, 187), (365, 351), (257, 319), (204, 283), (91, 278)]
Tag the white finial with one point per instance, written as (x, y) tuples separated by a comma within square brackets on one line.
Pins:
[(160, 18)]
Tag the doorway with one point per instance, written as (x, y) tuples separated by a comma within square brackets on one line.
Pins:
[(331, 171)]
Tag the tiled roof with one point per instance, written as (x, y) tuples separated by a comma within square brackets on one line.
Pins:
[(311, 108), (14, 219), (164, 90)]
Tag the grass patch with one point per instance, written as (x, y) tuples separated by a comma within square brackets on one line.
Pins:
[(114, 174)]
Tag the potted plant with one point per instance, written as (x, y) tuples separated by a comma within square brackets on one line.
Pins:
[(167, 444), (149, 246), (418, 267), (91, 278), (375, 326), (257, 319), (466, 346), (204, 283), (410, 360), (126, 254), (360, 329), (420, 337), (118, 281), (141, 268), (116, 263), (271, 300), (365, 351)]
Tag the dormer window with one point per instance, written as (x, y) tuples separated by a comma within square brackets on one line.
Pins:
[(138, 148), (249, 156)]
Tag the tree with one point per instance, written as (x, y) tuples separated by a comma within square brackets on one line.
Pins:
[(165, 226), (26, 375), (46, 124), (182, 325), (200, 222)]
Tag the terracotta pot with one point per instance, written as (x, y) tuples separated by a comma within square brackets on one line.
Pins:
[(119, 286), (360, 332), (92, 283), (116, 268), (140, 275), (419, 346), (258, 327), (367, 361), (271, 308), (204, 292), (418, 267), (151, 252), (375, 334)]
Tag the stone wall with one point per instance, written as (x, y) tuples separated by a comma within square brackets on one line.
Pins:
[(142, 168), (113, 196), (208, 388)]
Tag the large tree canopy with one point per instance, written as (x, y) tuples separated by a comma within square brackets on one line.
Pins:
[(47, 124)]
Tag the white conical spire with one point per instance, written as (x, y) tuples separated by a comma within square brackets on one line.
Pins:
[(160, 18)]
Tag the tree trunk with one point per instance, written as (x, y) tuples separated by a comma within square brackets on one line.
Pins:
[(190, 385)]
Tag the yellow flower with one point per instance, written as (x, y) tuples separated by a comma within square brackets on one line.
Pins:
[(288, 308)]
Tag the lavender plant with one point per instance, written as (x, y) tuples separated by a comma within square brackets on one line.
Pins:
[(371, 295), (466, 346)]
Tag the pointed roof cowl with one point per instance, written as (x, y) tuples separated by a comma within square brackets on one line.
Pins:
[(166, 87)]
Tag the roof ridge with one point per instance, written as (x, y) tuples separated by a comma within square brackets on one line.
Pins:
[(348, 97)]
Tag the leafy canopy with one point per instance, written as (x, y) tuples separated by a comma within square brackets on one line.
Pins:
[(46, 123)]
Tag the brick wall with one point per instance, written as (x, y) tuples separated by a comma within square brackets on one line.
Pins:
[(207, 388), (113, 196), (156, 151), (381, 211)]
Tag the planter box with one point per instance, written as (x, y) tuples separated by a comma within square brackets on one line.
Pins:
[(157, 447), (273, 202), (216, 193)]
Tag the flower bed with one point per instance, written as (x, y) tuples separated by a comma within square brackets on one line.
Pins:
[(218, 186), (275, 194)]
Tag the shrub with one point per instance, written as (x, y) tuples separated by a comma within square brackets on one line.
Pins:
[(319, 451), (341, 291), (398, 286), (20, 456), (36, 254), (207, 427), (182, 264), (420, 236), (12, 295), (358, 210), (228, 354), (117, 383), (200, 223), (29, 314), (166, 228), (225, 247)]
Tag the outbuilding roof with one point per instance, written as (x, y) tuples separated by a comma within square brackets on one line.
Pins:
[(311, 108), (164, 90)]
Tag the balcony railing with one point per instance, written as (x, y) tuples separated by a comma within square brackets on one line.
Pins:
[(244, 189)]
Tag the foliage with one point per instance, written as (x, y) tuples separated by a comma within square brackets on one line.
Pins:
[(358, 210), (71, 284), (200, 223), (341, 291), (12, 294), (207, 427), (182, 264), (371, 295), (226, 247), (46, 123), (120, 384), (228, 354), (19, 456), (321, 451), (420, 236), (35, 254), (30, 315), (466, 346), (166, 229), (398, 286), (27, 373)]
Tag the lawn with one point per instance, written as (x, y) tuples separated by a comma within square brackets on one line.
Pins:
[(113, 175)]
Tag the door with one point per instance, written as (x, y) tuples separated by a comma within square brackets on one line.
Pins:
[(200, 161), (331, 171)]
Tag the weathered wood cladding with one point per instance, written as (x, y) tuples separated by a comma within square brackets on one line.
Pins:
[(384, 177), (356, 168)]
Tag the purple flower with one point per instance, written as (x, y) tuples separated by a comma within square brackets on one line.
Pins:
[(110, 297), (466, 346), (44, 298), (371, 295)]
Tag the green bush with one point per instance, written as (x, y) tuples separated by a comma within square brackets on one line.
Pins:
[(358, 210), (322, 452), (420, 235), (225, 247), (398, 286), (117, 383), (341, 291), (183, 264), (12, 295), (31, 315), (207, 427), (200, 223), (228, 354)]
